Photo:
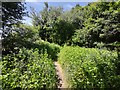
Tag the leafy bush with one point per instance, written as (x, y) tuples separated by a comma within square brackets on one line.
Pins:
[(89, 68), (28, 37), (51, 48), (28, 70)]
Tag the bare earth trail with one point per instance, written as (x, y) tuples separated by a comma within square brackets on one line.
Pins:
[(61, 76)]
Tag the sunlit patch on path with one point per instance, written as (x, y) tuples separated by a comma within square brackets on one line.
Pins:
[(62, 82)]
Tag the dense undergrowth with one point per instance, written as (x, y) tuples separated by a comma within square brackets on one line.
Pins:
[(89, 67), (28, 70)]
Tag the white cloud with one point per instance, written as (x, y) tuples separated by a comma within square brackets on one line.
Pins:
[(69, 6), (32, 0), (27, 20)]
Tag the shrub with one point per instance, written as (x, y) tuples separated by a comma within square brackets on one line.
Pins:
[(16, 43), (51, 48), (89, 67), (28, 70)]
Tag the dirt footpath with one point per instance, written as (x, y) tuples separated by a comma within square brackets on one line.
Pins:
[(62, 82)]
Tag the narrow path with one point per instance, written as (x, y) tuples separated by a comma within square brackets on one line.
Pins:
[(62, 82)]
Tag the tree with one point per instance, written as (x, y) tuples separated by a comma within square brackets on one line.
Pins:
[(12, 13), (46, 20), (101, 25)]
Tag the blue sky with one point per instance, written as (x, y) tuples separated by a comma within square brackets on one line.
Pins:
[(38, 6)]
